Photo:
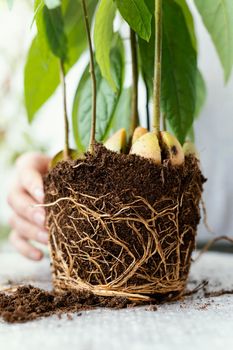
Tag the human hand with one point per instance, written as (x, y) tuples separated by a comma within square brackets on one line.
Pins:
[(27, 221)]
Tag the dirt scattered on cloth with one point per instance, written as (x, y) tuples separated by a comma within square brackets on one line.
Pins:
[(204, 307), (121, 224), (152, 308), (218, 293), (28, 303)]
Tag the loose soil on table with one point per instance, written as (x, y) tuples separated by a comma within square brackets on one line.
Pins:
[(28, 303), (121, 225)]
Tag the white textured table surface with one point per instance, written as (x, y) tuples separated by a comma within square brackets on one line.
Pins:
[(196, 323)]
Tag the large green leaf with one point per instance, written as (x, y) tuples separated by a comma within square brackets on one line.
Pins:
[(75, 28), (189, 21), (138, 16), (147, 56), (201, 94), (123, 112), (103, 36), (106, 101), (42, 68), (55, 31), (41, 77), (146, 49), (179, 71), (217, 16), (175, 79)]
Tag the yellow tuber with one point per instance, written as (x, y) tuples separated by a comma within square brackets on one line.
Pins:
[(190, 149), (172, 147), (138, 132), (117, 142), (59, 157), (147, 146)]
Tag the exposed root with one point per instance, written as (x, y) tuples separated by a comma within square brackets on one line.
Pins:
[(212, 242), (200, 286), (122, 226), (108, 274), (205, 216)]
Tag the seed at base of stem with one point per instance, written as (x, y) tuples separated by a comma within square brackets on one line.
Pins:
[(173, 149), (190, 149), (147, 146), (138, 132), (59, 157), (117, 142)]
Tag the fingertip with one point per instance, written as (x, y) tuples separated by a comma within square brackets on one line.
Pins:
[(43, 237), (39, 218), (35, 254), (39, 194), (25, 248)]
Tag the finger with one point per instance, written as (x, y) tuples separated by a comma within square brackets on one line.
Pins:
[(37, 161), (24, 206), (31, 167), (25, 248), (27, 230), (32, 182)]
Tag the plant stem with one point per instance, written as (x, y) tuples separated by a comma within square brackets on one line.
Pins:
[(147, 107), (157, 68), (93, 77), (134, 110), (66, 120)]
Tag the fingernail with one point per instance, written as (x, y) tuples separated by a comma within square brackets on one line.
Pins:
[(39, 193), (42, 237), (34, 255), (39, 218)]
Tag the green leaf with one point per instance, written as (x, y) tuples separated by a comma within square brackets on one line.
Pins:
[(51, 4), (103, 37), (138, 16), (146, 49), (41, 77), (106, 101), (122, 116), (75, 29), (189, 21), (201, 93), (191, 135), (147, 56), (179, 71), (54, 28), (217, 16)]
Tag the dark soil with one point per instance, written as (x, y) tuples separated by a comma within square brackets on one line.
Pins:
[(28, 303), (218, 293), (115, 210)]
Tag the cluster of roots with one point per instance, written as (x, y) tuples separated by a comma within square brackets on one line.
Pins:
[(122, 226)]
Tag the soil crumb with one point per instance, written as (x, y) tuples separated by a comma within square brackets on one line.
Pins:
[(28, 303)]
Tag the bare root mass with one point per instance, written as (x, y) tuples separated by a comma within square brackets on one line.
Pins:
[(121, 225)]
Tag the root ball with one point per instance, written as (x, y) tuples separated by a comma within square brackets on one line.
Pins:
[(121, 225)]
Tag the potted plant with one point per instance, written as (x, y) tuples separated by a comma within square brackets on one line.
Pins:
[(122, 208)]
